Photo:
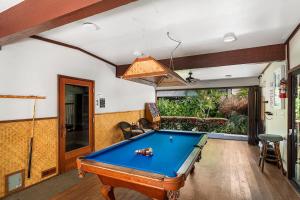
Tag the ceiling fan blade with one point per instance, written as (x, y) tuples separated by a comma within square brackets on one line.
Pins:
[(191, 79)]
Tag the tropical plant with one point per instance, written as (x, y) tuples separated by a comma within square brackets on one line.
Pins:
[(202, 111), (238, 124), (233, 104), (243, 92), (204, 104)]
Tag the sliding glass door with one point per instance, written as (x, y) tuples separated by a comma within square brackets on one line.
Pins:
[(295, 133)]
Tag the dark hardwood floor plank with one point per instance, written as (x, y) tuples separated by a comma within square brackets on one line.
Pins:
[(228, 171)]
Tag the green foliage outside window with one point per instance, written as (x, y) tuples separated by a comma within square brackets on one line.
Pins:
[(210, 103)]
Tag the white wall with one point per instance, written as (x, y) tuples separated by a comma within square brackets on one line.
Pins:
[(276, 124), (31, 67), (294, 50)]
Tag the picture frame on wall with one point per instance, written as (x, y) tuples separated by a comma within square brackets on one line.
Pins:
[(276, 88)]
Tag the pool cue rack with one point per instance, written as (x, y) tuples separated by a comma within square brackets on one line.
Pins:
[(21, 97), (152, 114), (30, 151)]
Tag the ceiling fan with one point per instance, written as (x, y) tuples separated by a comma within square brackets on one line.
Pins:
[(191, 79)]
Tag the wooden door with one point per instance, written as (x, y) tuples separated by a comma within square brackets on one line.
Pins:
[(254, 97), (76, 120)]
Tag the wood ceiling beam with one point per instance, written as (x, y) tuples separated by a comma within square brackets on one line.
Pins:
[(241, 56), (297, 28), (72, 47), (35, 16)]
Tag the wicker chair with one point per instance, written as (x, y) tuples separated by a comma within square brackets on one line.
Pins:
[(145, 124), (128, 130)]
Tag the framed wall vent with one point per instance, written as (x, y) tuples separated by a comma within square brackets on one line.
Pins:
[(14, 181)]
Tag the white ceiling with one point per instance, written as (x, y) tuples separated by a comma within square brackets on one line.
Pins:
[(6, 4), (199, 24), (214, 73)]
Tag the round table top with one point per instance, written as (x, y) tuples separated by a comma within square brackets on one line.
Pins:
[(270, 137)]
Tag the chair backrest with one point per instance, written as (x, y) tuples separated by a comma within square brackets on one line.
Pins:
[(145, 123), (126, 129)]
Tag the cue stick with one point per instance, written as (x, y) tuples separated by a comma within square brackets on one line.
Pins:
[(31, 141)]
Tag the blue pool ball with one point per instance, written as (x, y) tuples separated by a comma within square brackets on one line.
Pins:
[(171, 138)]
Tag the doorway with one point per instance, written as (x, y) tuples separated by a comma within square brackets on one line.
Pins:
[(76, 120), (295, 131)]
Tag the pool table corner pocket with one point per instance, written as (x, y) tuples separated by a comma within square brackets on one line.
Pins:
[(174, 183)]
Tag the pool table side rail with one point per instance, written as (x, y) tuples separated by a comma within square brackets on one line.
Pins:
[(182, 131), (188, 164), (129, 175), (87, 164)]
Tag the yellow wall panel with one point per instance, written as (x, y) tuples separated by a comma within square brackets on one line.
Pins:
[(106, 129), (14, 143)]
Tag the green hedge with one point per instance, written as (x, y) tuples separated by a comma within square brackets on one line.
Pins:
[(192, 123), (236, 124)]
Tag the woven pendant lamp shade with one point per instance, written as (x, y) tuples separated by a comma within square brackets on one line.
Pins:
[(149, 71)]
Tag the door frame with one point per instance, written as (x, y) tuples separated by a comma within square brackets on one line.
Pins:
[(61, 118), (254, 114), (291, 81)]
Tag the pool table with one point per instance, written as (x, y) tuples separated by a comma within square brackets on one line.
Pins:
[(159, 176)]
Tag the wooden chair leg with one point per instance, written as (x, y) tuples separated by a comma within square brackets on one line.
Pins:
[(277, 150), (265, 148), (277, 154), (193, 169), (260, 156)]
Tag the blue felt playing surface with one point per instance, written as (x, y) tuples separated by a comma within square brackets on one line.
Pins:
[(168, 156)]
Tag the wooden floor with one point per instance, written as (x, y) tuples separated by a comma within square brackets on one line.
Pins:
[(228, 170)]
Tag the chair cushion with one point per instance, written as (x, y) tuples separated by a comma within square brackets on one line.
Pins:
[(270, 137), (137, 131)]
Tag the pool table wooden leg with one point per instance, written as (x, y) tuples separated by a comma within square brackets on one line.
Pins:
[(108, 192), (173, 194), (193, 169), (199, 157)]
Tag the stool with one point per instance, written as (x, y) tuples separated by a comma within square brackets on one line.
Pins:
[(266, 139)]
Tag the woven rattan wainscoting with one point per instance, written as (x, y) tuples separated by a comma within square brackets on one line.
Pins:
[(106, 130), (14, 139)]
